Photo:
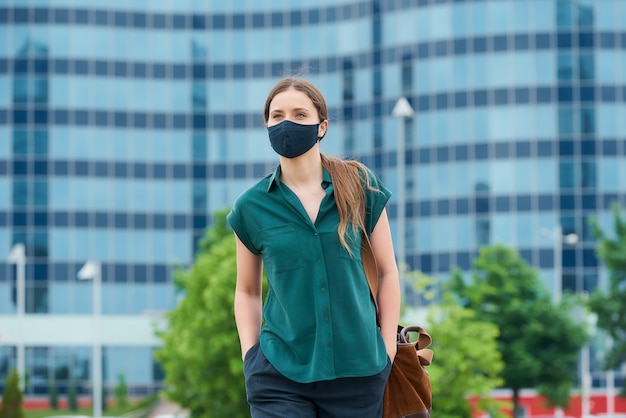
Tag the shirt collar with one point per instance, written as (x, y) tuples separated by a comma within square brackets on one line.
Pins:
[(274, 178)]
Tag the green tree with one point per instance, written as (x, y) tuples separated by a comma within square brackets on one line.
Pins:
[(72, 396), (470, 361), (200, 353), (610, 307), (538, 339), (53, 395), (121, 392), (12, 397)]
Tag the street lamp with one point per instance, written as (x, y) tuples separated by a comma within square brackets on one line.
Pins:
[(558, 239), (402, 110), (590, 321), (17, 256), (91, 270)]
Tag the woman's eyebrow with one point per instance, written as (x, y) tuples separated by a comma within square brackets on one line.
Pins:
[(295, 109)]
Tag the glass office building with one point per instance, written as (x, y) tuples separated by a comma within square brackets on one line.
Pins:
[(125, 124)]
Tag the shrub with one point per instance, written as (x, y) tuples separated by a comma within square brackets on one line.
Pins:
[(12, 397), (121, 392), (53, 395), (72, 398)]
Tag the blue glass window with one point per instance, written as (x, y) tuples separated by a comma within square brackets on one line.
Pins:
[(566, 175), (482, 232), (564, 14)]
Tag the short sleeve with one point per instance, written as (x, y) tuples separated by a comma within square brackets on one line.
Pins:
[(375, 201), (236, 221)]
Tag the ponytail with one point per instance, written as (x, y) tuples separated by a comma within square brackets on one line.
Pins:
[(349, 179)]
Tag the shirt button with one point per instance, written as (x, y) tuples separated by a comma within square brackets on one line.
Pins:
[(315, 234), (325, 319), (323, 289)]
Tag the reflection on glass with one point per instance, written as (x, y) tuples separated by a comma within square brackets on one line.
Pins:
[(199, 146), (587, 230), (37, 298), (482, 232), (586, 64), (587, 120), (575, 175), (199, 196), (348, 146), (568, 225), (407, 75), (348, 81), (40, 245), (569, 283), (20, 193), (565, 64), (588, 174), (30, 89), (564, 13), (585, 14), (566, 120), (590, 282), (199, 96), (566, 175)]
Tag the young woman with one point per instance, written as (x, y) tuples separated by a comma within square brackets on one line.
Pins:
[(314, 348)]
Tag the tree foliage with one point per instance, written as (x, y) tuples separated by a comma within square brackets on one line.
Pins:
[(470, 361), (538, 339), (121, 392), (467, 362), (201, 354), (72, 396), (609, 306), (12, 397)]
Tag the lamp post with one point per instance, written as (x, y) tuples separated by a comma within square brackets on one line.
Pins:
[(17, 256), (590, 321), (558, 239), (91, 270), (402, 110), (585, 381)]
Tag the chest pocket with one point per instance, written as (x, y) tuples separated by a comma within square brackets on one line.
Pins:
[(281, 249)]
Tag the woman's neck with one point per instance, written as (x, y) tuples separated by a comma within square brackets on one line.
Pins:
[(303, 171)]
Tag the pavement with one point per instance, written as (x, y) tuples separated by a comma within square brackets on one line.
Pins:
[(167, 409)]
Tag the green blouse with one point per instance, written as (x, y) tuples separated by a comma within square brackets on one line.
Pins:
[(319, 318)]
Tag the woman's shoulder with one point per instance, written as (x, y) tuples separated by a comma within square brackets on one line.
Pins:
[(260, 187), (247, 202)]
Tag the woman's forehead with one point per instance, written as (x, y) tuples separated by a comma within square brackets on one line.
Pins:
[(291, 99)]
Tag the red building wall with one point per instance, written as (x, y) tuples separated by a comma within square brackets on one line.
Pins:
[(535, 405)]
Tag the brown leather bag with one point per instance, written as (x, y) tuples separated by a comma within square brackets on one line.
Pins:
[(408, 393)]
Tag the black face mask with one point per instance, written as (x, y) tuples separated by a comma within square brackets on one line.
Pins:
[(291, 139)]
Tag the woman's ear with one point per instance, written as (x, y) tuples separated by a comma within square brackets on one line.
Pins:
[(321, 130)]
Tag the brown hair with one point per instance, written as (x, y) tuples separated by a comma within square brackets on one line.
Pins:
[(349, 177)]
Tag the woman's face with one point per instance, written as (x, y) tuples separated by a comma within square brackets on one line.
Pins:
[(294, 106)]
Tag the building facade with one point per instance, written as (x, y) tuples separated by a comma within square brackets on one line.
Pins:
[(125, 125)]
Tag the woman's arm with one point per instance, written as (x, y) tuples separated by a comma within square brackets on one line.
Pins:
[(248, 293), (388, 283)]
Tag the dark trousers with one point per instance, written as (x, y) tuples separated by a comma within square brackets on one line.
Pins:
[(271, 395)]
